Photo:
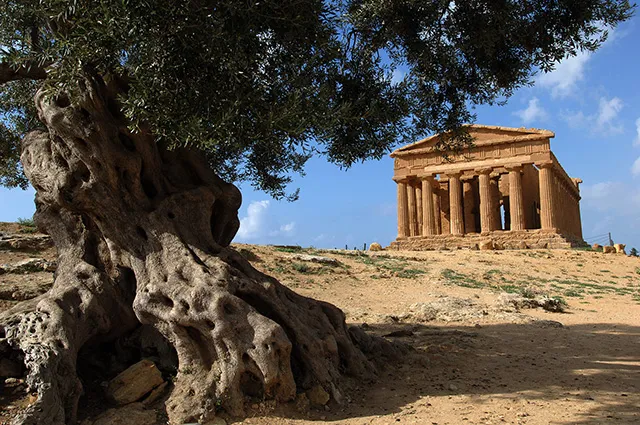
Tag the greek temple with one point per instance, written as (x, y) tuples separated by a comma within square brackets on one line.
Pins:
[(507, 191)]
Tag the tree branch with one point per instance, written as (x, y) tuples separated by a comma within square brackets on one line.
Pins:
[(32, 72)]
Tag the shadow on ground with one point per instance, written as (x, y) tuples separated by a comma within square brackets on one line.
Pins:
[(595, 367)]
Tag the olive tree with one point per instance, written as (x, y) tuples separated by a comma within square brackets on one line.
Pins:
[(132, 118)]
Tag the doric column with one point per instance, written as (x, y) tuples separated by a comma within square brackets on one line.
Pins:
[(516, 199), (418, 188), (577, 182), (437, 211), (403, 210), (455, 204), (413, 212), (469, 201), (496, 195), (578, 218), (547, 207), (428, 207), (486, 200)]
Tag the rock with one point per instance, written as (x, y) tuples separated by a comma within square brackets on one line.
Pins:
[(130, 414), (520, 302), (25, 242), (315, 259), (547, 324), (30, 265), (608, 249), (155, 394), (133, 383), (486, 245), (318, 396), (453, 387), (596, 247), (619, 247), (302, 403), (447, 309), (9, 368), (375, 246)]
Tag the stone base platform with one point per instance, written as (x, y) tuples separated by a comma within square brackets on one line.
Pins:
[(500, 239)]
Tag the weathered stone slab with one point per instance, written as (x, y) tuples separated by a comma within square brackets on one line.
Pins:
[(133, 383), (25, 242), (608, 249), (619, 247), (30, 265), (315, 259)]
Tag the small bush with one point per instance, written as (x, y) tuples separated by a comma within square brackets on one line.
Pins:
[(289, 248), (300, 267), (26, 222)]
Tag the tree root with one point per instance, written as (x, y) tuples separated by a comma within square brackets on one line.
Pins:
[(143, 234)]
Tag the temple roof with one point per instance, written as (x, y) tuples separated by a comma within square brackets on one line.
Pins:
[(483, 134)]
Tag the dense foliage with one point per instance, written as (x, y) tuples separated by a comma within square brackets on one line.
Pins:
[(262, 85)]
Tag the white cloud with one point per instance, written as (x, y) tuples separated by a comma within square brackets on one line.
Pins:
[(611, 196), (607, 113), (562, 81), (260, 226), (636, 142), (605, 121), (533, 112), (288, 228), (252, 226), (635, 168)]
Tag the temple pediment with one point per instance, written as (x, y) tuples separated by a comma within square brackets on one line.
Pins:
[(482, 135)]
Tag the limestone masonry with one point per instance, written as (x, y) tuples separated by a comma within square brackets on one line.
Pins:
[(508, 191)]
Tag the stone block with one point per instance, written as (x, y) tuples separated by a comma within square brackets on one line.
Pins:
[(619, 247), (486, 245), (133, 383), (608, 249), (375, 246), (596, 247), (318, 396)]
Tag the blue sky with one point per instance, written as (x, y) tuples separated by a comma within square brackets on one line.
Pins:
[(591, 102)]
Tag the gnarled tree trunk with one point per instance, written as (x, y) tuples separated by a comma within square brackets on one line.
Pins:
[(143, 235)]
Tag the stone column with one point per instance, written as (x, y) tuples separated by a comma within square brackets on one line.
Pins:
[(516, 199), (403, 210), (469, 200), (428, 207), (436, 211), (486, 200), (547, 207), (496, 196), (455, 204), (418, 188), (578, 218), (413, 211)]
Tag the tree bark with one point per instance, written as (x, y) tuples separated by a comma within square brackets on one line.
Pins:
[(143, 235)]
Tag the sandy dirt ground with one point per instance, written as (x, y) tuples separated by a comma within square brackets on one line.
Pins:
[(473, 358)]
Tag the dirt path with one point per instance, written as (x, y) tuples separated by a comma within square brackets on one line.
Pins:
[(479, 361)]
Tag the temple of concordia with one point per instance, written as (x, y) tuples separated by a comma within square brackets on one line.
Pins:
[(508, 191)]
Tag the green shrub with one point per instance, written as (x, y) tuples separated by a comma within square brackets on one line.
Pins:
[(26, 222)]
